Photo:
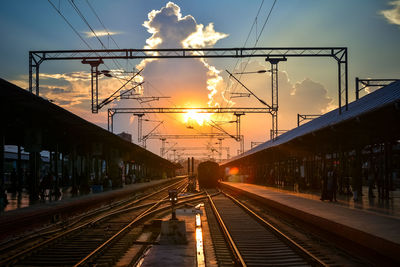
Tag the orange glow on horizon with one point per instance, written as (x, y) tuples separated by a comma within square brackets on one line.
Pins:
[(192, 116)]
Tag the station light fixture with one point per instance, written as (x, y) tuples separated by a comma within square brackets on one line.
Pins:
[(251, 72)]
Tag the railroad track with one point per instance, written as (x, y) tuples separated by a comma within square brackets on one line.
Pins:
[(101, 240), (249, 239)]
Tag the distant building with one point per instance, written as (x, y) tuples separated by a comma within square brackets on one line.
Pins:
[(125, 136)]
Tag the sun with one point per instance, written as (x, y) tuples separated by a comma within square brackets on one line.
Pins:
[(192, 116)]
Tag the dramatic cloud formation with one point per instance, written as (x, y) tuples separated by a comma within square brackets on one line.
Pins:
[(392, 15), (189, 83), (170, 29), (100, 33)]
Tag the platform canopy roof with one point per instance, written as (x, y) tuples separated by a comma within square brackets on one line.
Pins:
[(29, 121), (381, 107)]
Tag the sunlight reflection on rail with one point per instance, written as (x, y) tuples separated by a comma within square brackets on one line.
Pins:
[(199, 242)]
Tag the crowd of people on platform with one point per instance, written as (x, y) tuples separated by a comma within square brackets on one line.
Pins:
[(371, 176), (51, 187)]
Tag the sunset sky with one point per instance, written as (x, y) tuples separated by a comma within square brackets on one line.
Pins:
[(369, 28)]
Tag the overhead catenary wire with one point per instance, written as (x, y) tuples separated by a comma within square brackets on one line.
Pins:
[(110, 36), (105, 28), (76, 31), (69, 24), (80, 14), (239, 59), (92, 30), (102, 24), (257, 37), (255, 44)]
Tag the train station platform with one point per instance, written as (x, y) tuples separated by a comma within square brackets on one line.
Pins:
[(370, 226), (29, 217)]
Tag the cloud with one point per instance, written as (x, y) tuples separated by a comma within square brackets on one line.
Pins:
[(392, 15), (308, 92), (170, 29), (305, 97), (70, 77), (73, 89), (100, 33), (203, 37)]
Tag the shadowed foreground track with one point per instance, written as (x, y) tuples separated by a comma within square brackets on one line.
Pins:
[(253, 241), (102, 240)]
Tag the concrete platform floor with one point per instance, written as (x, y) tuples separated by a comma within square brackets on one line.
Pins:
[(21, 200), (367, 223), (197, 252), (389, 207)]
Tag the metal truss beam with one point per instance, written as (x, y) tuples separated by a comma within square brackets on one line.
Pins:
[(189, 53), (198, 148), (185, 110), (274, 90), (338, 53), (188, 136), (139, 111)]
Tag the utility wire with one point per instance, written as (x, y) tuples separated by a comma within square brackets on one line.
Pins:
[(105, 28), (80, 14), (239, 59), (102, 24), (69, 24), (265, 23), (110, 36), (255, 44)]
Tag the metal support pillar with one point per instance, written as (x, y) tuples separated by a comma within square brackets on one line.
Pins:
[(387, 167), (73, 159), (64, 179), (94, 70), (19, 170), (357, 89), (239, 137), (96, 170), (274, 93), (3, 195), (34, 64), (220, 149), (174, 154), (56, 157), (110, 120), (51, 157), (241, 144), (34, 159), (162, 150), (341, 58), (140, 128)]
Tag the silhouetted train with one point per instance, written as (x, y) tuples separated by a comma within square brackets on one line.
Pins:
[(208, 174)]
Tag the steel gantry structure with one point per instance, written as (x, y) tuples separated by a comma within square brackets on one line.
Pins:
[(174, 149), (238, 112), (219, 136), (362, 84), (304, 117), (271, 54)]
